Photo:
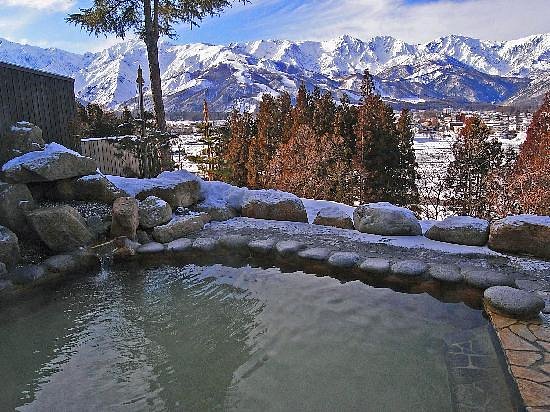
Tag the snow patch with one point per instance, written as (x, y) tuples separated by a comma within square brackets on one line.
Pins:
[(39, 157)]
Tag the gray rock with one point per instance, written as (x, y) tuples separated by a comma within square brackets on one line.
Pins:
[(316, 253), (333, 216), (154, 211), (375, 266), (100, 226), (289, 247), (92, 188), (86, 260), (178, 189), (61, 264), (179, 245), (386, 219), (462, 230), (150, 248), (125, 218), (514, 302), (205, 244), (179, 227), (235, 242), (21, 138), (12, 214), (5, 285), (61, 228), (411, 268), (217, 214), (262, 246), (524, 234), (273, 205), (344, 259), (3, 270), (9, 247), (23, 275), (53, 163), (445, 273), (143, 237), (484, 278)]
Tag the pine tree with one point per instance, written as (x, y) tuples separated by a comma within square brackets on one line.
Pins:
[(407, 189), (243, 129), (377, 154), (475, 157), (149, 19)]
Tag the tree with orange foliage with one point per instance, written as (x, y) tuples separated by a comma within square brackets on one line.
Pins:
[(530, 179)]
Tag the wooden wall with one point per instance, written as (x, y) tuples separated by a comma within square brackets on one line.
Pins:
[(44, 99)]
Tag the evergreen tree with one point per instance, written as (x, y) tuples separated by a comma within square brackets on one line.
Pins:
[(475, 157), (377, 155), (243, 129), (149, 19), (407, 189)]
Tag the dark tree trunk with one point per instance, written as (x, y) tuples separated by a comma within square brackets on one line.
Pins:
[(151, 42)]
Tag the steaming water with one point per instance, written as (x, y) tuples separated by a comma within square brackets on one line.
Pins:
[(219, 338)]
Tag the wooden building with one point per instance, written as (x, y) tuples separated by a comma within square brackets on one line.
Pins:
[(44, 99)]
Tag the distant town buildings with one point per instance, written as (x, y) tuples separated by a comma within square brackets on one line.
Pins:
[(450, 121)]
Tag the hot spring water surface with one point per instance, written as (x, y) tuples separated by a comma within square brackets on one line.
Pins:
[(219, 338)]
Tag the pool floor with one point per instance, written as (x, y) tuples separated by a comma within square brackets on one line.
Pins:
[(222, 338)]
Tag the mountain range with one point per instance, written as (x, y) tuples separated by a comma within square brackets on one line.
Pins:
[(452, 70)]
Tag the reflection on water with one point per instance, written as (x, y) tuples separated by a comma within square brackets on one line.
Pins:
[(220, 338)]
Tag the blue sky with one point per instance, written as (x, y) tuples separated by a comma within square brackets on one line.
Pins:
[(41, 22)]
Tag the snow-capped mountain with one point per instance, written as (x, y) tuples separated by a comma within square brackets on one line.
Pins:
[(453, 69)]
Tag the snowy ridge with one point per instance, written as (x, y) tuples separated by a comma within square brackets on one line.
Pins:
[(454, 68)]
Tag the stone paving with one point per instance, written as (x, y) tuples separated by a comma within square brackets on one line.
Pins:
[(526, 344)]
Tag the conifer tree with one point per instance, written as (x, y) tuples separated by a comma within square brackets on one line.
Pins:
[(149, 19), (475, 157), (407, 189), (377, 155), (243, 129)]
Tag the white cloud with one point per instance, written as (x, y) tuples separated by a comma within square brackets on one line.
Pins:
[(485, 19), (52, 5)]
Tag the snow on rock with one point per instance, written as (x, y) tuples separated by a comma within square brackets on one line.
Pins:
[(334, 216), (179, 188), (522, 234), (273, 205), (314, 206), (55, 162), (386, 219), (221, 195), (463, 230)]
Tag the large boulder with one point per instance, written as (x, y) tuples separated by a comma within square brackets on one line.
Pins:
[(333, 216), (14, 201), (92, 188), (462, 230), (154, 212), (55, 162), (180, 227), (386, 219), (125, 217), (9, 247), (21, 138), (61, 228), (273, 205), (178, 189), (523, 234)]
